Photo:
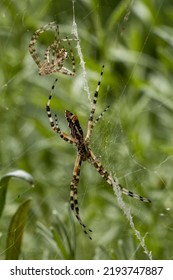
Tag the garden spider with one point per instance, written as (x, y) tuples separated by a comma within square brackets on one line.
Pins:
[(84, 153), (54, 57)]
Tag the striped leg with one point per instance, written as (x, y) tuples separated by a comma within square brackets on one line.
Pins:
[(54, 122), (93, 108), (105, 175), (57, 55), (55, 44), (32, 49), (51, 53), (73, 194), (46, 67), (100, 116)]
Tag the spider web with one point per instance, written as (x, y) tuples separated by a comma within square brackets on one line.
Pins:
[(114, 180), (28, 143)]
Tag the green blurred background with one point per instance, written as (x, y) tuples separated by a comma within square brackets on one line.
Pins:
[(134, 140)]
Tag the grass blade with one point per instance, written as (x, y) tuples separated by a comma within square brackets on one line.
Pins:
[(16, 230)]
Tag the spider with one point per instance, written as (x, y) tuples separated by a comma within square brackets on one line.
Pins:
[(54, 57), (84, 153)]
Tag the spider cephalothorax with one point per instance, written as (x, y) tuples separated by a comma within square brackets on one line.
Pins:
[(74, 125), (83, 151)]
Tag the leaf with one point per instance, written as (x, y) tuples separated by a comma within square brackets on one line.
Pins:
[(4, 184), (16, 230)]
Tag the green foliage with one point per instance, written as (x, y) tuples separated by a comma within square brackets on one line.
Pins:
[(133, 39), (17, 224), (4, 181), (15, 232)]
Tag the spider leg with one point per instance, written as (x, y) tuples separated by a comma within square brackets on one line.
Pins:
[(62, 55), (54, 122), (100, 116), (64, 70), (52, 47), (32, 50), (47, 54), (55, 48), (57, 54), (57, 34), (105, 175), (46, 67), (73, 194), (93, 108)]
